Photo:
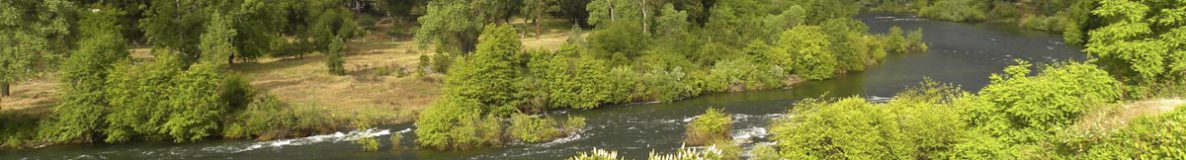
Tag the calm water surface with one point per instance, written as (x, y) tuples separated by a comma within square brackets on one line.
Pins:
[(963, 54)]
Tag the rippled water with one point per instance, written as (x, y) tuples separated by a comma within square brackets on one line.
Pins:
[(963, 54)]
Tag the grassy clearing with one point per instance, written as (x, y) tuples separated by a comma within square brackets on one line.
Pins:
[(372, 83), (1111, 118)]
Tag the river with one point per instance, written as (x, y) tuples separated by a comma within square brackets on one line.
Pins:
[(960, 53)]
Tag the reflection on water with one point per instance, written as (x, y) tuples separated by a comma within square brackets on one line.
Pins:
[(963, 54)]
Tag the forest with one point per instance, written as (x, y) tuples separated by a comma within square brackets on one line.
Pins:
[(479, 74)]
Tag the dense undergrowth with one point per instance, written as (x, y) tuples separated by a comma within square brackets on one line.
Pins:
[(745, 46)]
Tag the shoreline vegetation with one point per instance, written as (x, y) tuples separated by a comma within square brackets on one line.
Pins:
[(275, 69)]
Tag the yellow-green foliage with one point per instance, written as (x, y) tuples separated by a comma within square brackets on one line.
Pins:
[(268, 118), (440, 125), (368, 143), (488, 76), (533, 129), (744, 73), (764, 152), (1141, 41), (849, 128), (809, 50), (917, 124), (711, 127), (1154, 137), (1022, 108)]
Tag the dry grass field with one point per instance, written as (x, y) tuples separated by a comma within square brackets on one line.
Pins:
[(371, 84)]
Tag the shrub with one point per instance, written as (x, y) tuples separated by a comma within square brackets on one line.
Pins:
[(577, 83), (457, 123), (711, 127), (764, 152), (333, 60), (533, 129), (667, 85), (743, 74), (819, 124), (916, 43), (1024, 108), (368, 143), (808, 48), (266, 117), (895, 41), (1154, 137), (397, 138)]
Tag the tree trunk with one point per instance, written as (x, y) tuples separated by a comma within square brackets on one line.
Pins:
[(230, 60), (643, 6), (4, 90), (537, 30)]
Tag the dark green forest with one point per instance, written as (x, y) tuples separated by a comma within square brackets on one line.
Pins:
[(496, 91)]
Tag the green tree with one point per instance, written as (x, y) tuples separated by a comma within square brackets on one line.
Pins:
[(536, 9), (449, 26), (181, 24), (175, 24), (808, 49), (488, 75), (1141, 41), (31, 31), (333, 61), (216, 40), (84, 75)]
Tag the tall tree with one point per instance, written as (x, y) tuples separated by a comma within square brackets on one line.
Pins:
[(216, 41), (29, 31), (535, 9), (180, 24), (449, 26), (84, 74), (490, 73)]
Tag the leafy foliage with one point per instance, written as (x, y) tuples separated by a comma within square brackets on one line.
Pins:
[(809, 52), (711, 127), (30, 32), (85, 73), (1024, 108), (1141, 40)]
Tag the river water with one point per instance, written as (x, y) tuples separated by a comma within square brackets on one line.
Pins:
[(963, 54)]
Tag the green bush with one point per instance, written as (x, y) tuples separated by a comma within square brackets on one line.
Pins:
[(533, 129), (743, 73), (764, 152), (457, 123), (1153, 137), (914, 40), (711, 127), (1024, 108), (895, 40), (266, 117), (916, 124), (849, 128), (577, 83), (808, 48)]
